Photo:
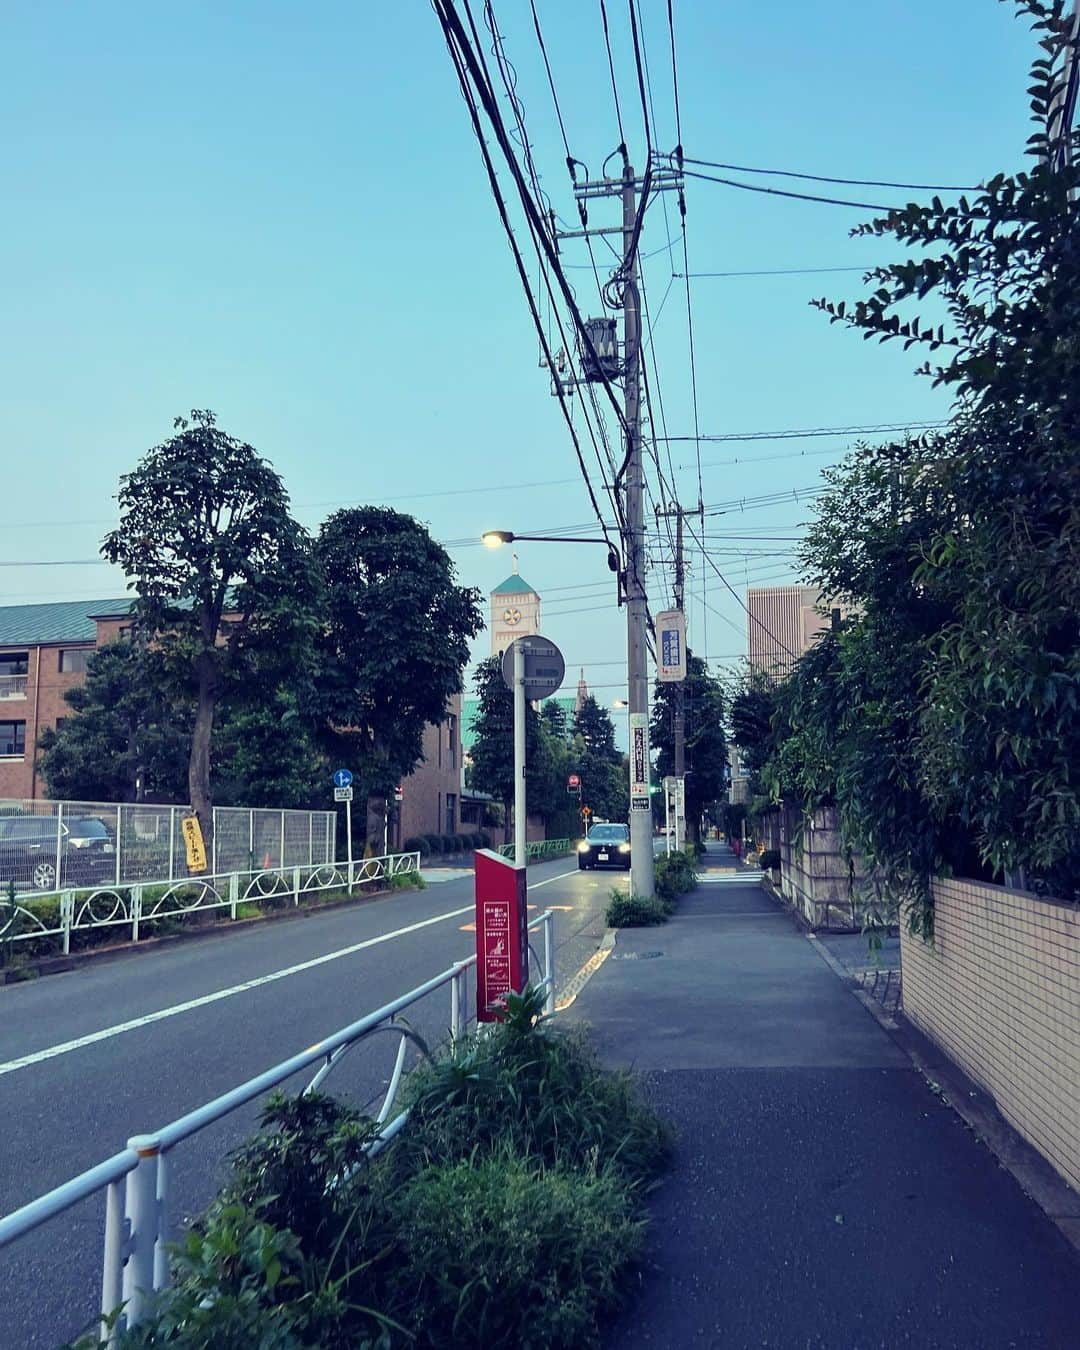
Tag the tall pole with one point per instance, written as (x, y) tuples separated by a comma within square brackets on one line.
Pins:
[(519, 753), (679, 709), (641, 846)]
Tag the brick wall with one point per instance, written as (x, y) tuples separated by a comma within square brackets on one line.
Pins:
[(999, 991)]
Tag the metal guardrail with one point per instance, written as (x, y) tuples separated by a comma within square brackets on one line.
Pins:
[(537, 850), (132, 906), (137, 1181), (12, 686)]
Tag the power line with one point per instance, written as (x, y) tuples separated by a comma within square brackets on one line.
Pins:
[(772, 272), (783, 192), (611, 68), (802, 433), (821, 178)]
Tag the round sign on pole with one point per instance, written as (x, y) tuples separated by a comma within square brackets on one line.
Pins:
[(544, 667), (343, 778)]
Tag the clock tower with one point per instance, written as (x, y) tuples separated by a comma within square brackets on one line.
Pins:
[(515, 611)]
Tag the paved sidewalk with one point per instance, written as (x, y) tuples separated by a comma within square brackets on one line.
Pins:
[(821, 1195)]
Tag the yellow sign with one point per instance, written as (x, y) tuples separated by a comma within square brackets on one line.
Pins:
[(193, 842)]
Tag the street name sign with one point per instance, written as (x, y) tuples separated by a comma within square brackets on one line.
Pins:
[(544, 667)]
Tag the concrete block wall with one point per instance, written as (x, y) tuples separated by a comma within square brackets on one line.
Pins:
[(999, 991), (814, 873)]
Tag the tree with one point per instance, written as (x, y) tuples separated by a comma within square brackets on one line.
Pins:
[(706, 742), (493, 743), (219, 569), (127, 738), (993, 706), (599, 762), (393, 645)]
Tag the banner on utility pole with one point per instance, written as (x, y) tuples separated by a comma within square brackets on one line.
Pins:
[(639, 762), (671, 646)]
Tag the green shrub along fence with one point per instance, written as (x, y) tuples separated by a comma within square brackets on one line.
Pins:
[(508, 1212), (428, 845)]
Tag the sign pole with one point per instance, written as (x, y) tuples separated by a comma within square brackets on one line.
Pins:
[(667, 818), (519, 754), (348, 836)]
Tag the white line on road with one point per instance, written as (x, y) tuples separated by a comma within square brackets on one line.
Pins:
[(561, 877), (121, 1027)]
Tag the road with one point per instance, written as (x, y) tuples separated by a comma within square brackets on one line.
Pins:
[(119, 1047)]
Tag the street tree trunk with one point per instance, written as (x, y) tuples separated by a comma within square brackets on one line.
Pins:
[(376, 818), (199, 762)]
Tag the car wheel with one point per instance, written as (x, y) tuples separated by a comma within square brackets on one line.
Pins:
[(44, 876), (582, 866)]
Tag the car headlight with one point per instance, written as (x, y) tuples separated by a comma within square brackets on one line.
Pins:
[(583, 847), (624, 848)]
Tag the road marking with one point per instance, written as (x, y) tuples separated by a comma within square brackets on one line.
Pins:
[(120, 1028), (561, 877), (577, 983)]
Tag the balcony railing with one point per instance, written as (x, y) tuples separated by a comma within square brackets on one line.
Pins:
[(13, 686)]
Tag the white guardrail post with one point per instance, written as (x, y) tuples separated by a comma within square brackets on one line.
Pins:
[(112, 1275), (234, 893), (143, 1213), (296, 886), (136, 911), (549, 962), (67, 917)]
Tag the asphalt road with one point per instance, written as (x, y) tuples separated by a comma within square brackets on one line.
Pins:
[(65, 1107)]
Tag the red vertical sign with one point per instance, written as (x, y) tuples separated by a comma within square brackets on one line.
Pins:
[(502, 937)]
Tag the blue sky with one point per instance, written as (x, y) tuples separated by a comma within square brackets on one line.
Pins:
[(279, 212)]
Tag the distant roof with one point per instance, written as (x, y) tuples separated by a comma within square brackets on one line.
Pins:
[(68, 621), (514, 585)]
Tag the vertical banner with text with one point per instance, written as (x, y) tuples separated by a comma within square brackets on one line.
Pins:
[(639, 762)]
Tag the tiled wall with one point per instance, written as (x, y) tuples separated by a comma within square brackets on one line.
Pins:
[(999, 990)]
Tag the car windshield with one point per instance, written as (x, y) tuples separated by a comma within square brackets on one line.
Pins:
[(605, 834), (88, 829), (29, 829)]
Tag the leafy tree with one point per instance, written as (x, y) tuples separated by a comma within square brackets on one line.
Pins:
[(599, 762), (706, 741), (555, 720), (266, 754), (493, 743), (219, 568), (127, 738), (993, 708), (394, 643)]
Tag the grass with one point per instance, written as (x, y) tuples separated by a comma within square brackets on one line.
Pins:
[(675, 874)]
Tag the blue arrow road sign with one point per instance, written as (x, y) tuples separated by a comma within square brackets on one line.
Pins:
[(343, 778)]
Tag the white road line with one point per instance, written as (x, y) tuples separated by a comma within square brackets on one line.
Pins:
[(108, 1033), (561, 877)]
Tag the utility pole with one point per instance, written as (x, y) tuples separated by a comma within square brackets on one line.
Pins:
[(637, 674), (659, 178), (678, 712)]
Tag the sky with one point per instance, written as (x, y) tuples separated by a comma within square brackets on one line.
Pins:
[(279, 212)]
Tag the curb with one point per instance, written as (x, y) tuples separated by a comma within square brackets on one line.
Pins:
[(577, 983), (58, 965), (975, 1107)]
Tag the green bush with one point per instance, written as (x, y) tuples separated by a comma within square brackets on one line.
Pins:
[(466, 842), (635, 911), (407, 881), (506, 1213), (479, 840), (505, 1254), (435, 842), (769, 859), (676, 874), (485, 839), (416, 844)]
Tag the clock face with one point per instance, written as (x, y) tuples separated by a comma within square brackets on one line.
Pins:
[(511, 617)]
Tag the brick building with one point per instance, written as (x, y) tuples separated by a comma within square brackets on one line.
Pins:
[(783, 623), (43, 653)]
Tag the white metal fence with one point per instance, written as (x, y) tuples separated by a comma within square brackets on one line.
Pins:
[(55, 846), (138, 1180), (60, 914)]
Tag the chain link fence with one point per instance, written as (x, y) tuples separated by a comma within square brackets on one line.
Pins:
[(52, 846)]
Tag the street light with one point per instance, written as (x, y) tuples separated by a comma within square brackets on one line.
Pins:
[(496, 539)]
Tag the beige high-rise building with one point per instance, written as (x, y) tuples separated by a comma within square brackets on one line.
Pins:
[(782, 623)]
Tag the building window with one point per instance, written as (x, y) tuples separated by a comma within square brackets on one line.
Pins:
[(73, 659), (451, 738), (124, 634), (12, 738), (14, 663), (60, 723), (451, 813)]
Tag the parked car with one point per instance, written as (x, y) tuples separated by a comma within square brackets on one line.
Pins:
[(29, 847), (605, 845)]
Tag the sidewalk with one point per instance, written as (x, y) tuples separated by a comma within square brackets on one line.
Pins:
[(821, 1194)]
